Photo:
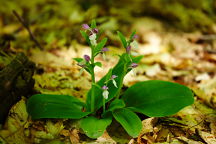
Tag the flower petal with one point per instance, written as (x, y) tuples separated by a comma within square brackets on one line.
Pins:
[(105, 94), (114, 83)]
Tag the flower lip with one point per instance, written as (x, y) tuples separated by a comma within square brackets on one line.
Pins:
[(87, 58), (85, 26), (105, 87), (134, 65), (105, 94)]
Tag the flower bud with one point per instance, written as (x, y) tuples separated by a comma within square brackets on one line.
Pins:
[(114, 76), (85, 26), (87, 58), (105, 49), (105, 87), (134, 65), (135, 37), (128, 49)]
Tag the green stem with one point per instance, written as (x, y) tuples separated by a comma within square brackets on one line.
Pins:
[(104, 105), (92, 94), (93, 81)]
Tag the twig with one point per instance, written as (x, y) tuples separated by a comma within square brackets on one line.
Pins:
[(23, 22)]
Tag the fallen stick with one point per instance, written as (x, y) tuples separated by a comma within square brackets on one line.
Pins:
[(25, 24)]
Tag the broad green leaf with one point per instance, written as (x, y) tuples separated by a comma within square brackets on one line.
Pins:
[(129, 121), (116, 104), (156, 98), (119, 70), (94, 127), (93, 24), (55, 106), (98, 64), (99, 46), (84, 34), (123, 40)]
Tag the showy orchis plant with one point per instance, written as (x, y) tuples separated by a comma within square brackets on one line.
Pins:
[(105, 100)]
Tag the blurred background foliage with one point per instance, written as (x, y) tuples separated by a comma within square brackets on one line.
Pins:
[(56, 22)]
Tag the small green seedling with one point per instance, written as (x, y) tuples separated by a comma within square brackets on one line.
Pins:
[(153, 98)]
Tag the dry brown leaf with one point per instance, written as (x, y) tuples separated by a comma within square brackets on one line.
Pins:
[(74, 136)]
